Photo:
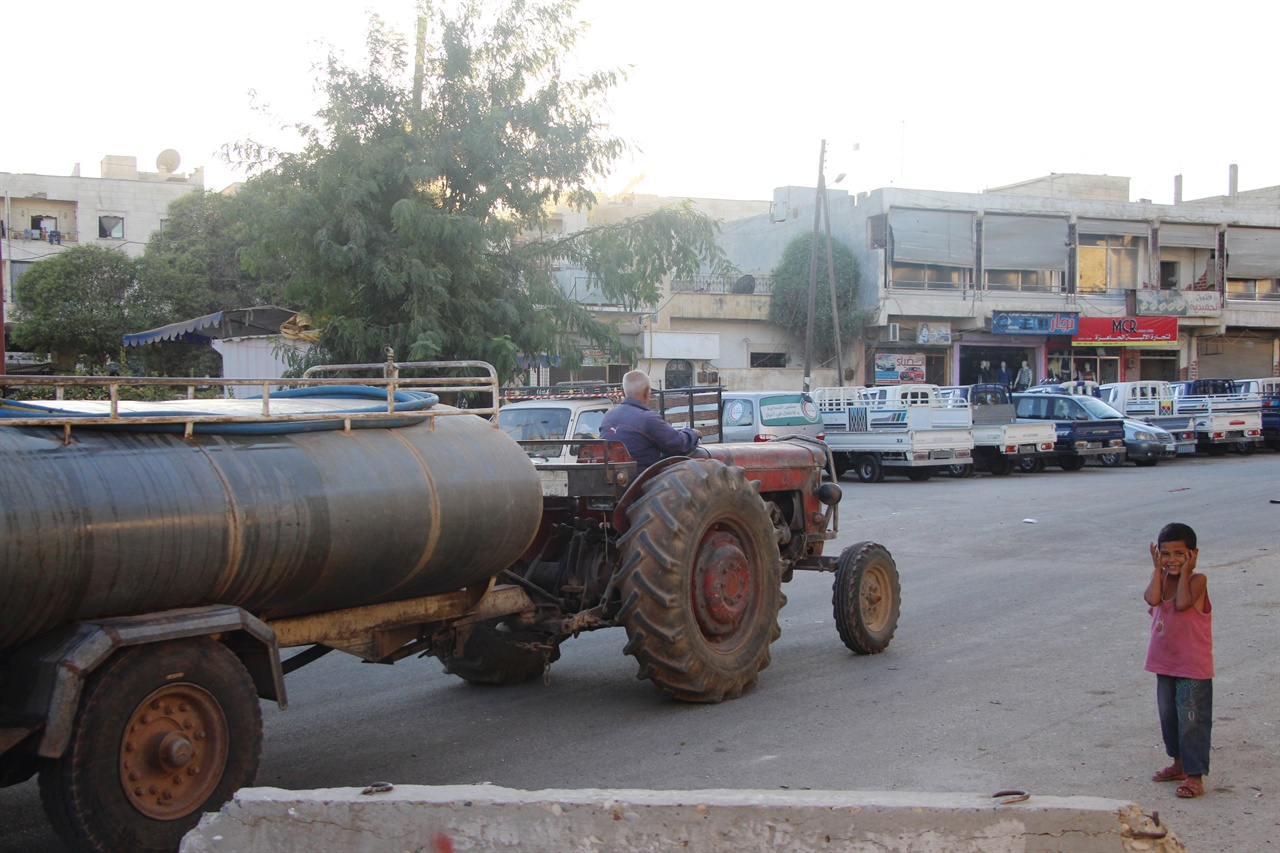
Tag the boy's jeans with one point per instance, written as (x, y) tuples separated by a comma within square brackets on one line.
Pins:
[(1186, 720)]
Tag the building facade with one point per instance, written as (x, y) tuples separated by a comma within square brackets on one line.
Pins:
[(48, 214), (1060, 275)]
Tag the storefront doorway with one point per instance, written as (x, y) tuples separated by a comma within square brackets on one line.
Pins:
[(1097, 365), (1001, 364)]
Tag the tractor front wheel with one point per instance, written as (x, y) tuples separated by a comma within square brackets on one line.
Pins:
[(866, 598)]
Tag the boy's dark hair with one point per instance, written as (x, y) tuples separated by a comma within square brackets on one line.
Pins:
[(1177, 532)]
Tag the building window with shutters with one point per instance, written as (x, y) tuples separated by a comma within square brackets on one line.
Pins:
[(1108, 263)]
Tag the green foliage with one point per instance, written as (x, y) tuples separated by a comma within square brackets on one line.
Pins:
[(76, 305), (191, 268), (789, 306), (413, 217)]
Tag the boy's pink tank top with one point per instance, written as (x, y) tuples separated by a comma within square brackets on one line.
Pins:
[(1181, 641)]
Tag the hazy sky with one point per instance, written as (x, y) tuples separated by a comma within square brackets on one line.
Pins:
[(724, 98)]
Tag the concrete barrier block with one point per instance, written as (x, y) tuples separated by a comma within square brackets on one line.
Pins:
[(489, 819)]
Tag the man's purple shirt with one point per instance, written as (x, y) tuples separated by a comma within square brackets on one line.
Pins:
[(645, 434)]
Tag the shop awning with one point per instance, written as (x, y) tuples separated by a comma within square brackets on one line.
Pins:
[(242, 322)]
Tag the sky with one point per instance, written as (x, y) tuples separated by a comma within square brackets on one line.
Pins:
[(722, 99)]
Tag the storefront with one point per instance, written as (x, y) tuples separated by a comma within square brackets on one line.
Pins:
[(1118, 349), (916, 351), (1013, 352)]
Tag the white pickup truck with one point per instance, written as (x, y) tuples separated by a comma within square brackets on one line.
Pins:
[(1153, 402), (557, 414), (1000, 442), (910, 428), (1225, 418)]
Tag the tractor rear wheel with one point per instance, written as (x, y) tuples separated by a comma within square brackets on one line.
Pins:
[(866, 597), (490, 653), (701, 582)]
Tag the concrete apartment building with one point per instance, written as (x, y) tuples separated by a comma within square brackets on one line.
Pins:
[(1062, 272), (47, 214)]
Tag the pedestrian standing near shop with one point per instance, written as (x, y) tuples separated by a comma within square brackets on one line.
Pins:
[(1180, 653)]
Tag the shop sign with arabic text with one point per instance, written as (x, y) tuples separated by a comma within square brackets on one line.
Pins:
[(1034, 323), (1127, 332), (1179, 303)]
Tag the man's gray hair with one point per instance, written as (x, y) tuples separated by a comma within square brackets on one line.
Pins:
[(635, 383)]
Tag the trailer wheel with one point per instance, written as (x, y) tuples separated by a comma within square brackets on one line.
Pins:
[(962, 471), (1031, 465), (869, 468), (1246, 448), (489, 653), (164, 733), (1000, 465), (1111, 460), (866, 597), (701, 582)]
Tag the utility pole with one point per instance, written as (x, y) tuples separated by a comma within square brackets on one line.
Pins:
[(831, 283), (813, 268)]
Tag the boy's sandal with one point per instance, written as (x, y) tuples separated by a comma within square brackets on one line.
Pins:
[(1190, 789), (1169, 774)]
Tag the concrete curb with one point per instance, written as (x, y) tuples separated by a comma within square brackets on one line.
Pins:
[(473, 818)]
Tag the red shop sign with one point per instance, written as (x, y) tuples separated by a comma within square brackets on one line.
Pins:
[(1126, 331)]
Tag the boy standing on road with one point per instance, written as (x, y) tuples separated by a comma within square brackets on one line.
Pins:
[(1180, 653)]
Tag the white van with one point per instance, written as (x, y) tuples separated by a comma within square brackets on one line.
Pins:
[(766, 415)]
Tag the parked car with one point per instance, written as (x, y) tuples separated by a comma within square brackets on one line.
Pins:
[(766, 415), (1144, 444)]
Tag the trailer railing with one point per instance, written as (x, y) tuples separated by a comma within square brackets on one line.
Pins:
[(112, 408)]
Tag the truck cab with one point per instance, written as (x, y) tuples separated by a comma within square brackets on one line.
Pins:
[(1086, 427), (1225, 418), (1152, 402), (556, 414)]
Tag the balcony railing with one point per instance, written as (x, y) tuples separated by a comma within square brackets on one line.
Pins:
[(54, 237), (760, 285)]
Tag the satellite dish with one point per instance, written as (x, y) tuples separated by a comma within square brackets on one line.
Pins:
[(168, 160)]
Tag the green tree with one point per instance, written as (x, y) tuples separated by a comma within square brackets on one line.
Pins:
[(789, 306), (75, 305), (192, 267), (414, 216)]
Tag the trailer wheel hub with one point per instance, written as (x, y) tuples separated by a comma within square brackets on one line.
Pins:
[(173, 751), (721, 583)]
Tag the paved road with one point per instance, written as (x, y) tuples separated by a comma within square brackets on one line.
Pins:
[(1017, 663)]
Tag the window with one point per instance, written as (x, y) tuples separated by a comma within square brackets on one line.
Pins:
[(928, 277), (878, 232), (679, 374), (1262, 289), (111, 227), (1168, 275), (1108, 264), (768, 359), (1044, 281)]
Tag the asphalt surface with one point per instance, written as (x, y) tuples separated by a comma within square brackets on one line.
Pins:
[(1017, 664)]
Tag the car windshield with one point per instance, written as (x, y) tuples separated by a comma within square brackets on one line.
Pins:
[(1097, 408), (535, 423)]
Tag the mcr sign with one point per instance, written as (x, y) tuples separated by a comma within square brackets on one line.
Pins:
[(1127, 331)]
